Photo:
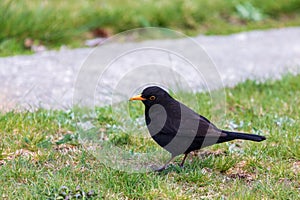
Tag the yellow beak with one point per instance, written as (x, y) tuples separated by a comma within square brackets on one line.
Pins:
[(138, 97)]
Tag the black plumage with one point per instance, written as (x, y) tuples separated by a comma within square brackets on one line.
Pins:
[(179, 129)]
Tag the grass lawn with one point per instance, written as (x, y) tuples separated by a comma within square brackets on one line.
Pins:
[(41, 156), (55, 23)]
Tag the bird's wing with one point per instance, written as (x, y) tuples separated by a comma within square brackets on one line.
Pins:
[(194, 125), (183, 122)]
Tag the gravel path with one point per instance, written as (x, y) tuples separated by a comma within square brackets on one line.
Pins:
[(47, 79)]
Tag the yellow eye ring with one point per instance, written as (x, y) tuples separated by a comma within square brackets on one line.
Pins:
[(152, 98)]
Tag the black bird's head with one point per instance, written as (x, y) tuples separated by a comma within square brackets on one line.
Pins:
[(153, 95)]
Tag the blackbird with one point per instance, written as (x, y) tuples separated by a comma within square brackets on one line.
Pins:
[(179, 129)]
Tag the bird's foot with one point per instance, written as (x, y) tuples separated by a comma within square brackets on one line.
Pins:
[(171, 166), (160, 169)]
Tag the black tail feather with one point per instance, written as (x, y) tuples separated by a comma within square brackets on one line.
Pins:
[(244, 136)]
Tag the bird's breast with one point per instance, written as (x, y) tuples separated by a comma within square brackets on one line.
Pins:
[(156, 118)]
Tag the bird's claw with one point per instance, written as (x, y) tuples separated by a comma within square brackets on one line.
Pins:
[(160, 169)]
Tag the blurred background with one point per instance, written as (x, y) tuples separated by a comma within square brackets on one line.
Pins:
[(35, 25)]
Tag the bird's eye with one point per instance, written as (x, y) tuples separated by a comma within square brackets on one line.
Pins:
[(152, 98)]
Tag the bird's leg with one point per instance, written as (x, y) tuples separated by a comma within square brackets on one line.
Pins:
[(165, 165), (183, 160)]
